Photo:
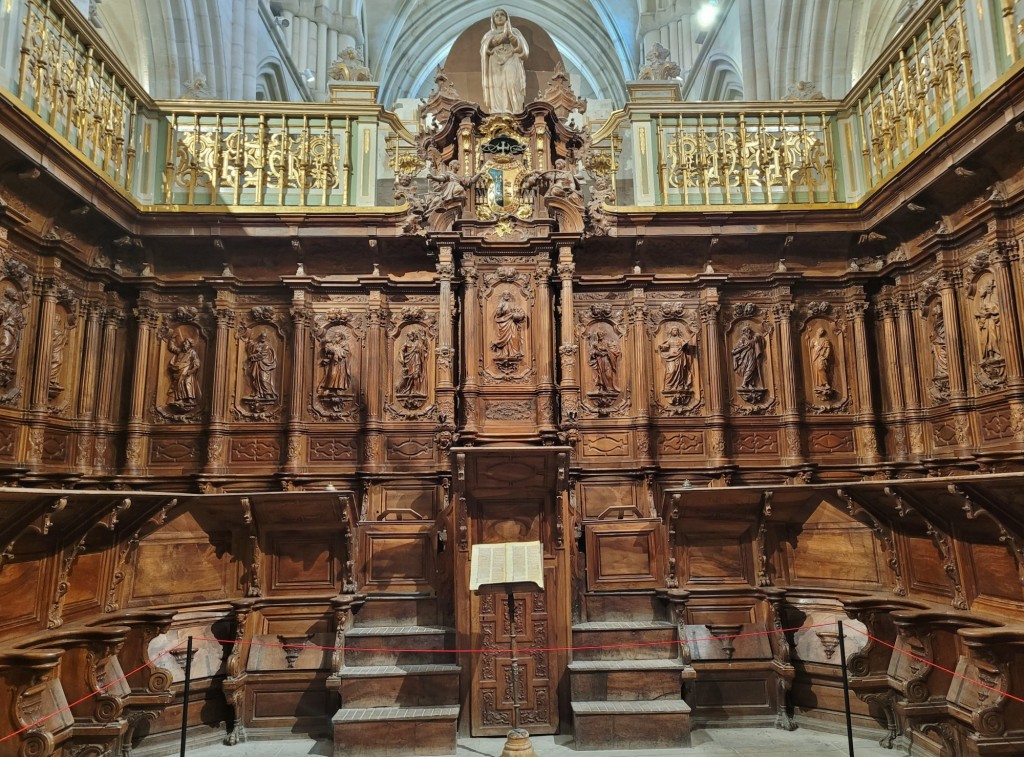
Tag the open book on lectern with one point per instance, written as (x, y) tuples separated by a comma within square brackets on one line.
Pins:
[(507, 568)]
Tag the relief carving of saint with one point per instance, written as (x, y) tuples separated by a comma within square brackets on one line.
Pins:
[(604, 359), (183, 368), (823, 364), (12, 321), (747, 356), (334, 357), (502, 51), (413, 357), (940, 355), (509, 322), (58, 342), (986, 317), (677, 354), (262, 362)]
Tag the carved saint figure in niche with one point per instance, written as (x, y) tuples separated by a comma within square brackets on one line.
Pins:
[(334, 356), (604, 359), (940, 356), (502, 51), (262, 362), (12, 321), (449, 186), (509, 321), (184, 370), (676, 352), (986, 317), (747, 356), (58, 341), (413, 357), (823, 364)]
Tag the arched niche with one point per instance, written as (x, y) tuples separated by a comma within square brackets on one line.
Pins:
[(463, 62)]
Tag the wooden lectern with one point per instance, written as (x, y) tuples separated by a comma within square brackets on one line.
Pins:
[(506, 569)]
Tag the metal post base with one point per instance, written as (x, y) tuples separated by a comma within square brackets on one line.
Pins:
[(518, 744)]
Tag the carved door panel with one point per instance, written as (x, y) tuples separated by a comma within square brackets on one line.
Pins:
[(492, 684)]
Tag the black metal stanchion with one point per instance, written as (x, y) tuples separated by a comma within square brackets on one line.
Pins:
[(184, 695), (846, 687)]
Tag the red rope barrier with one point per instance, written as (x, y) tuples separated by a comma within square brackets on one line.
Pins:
[(953, 673), (90, 695), (481, 651), (524, 650)]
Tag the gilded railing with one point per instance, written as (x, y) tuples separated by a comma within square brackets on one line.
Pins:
[(72, 90), (745, 157), (258, 159), (923, 88)]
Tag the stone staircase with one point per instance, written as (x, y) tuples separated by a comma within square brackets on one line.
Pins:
[(396, 701), (628, 697)]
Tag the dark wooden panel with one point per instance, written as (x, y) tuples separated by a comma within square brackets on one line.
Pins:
[(623, 554), (183, 569), (716, 559), (398, 556), (302, 561), (834, 554)]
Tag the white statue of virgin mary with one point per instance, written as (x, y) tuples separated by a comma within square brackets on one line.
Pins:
[(502, 52)]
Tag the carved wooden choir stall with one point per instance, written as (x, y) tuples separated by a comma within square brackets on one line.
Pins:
[(281, 429)]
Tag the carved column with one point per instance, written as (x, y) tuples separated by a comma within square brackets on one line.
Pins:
[(44, 288), (299, 383), (376, 346), (113, 317), (146, 318), (446, 346), (906, 307), (91, 354), (954, 336), (545, 369), (1011, 328), (709, 310), (789, 411), (641, 381), (568, 350), (865, 418), (473, 346), (888, 309), (225, 318)]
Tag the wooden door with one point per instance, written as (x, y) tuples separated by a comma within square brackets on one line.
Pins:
[(528, 509)]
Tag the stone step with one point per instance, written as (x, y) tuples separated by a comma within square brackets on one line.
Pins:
[(619, 607), (631, 725), (399, 685), (628, 640), (399, 645), (397, 611), (395, 731), (626, 680)]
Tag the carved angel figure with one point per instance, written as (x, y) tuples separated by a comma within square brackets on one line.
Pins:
[(449, 186), (986, 317), (334, 356), (563, 183), (183, 368), (262, 362), (823, 363), (413, 357), (604, 359), (676, 353), (747, 354)]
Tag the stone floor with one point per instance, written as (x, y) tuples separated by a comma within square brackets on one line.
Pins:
[(717, 742)]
